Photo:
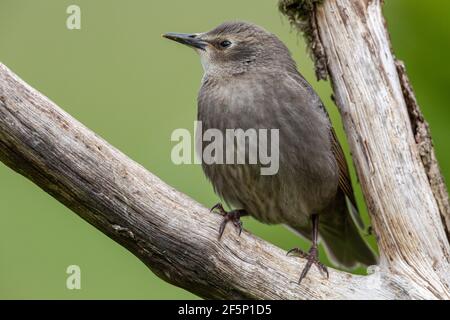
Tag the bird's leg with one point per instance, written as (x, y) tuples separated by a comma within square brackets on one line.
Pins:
[(313, 254), (233, 216)]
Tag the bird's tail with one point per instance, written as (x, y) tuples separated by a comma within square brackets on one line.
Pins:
[(342, 240)]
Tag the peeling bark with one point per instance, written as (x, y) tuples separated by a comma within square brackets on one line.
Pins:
[(389, 138), (177, 238), (172, 234), (422, 135)]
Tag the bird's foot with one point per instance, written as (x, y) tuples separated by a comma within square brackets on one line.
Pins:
[(313, 258), (230, 216)]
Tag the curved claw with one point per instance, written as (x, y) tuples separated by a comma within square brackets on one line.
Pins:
[(238, 225), (305, 270), (297, 251), (222, 228), (219, 207), (322, 268), (312, 258), (233, 216)]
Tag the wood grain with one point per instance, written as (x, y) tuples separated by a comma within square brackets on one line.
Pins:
[(177, 238), (172, 234), (405, 210)]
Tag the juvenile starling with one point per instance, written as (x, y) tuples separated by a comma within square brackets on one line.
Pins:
[(251, 81)]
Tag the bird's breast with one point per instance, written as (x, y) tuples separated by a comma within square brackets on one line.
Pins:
[(307, 176)]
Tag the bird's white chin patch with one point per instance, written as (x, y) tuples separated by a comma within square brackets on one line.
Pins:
[(204, 59)]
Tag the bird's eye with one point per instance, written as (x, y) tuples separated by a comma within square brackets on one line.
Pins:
[(225, 44)]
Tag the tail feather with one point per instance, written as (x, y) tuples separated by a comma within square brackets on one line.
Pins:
[(345, 247), (343, 242)]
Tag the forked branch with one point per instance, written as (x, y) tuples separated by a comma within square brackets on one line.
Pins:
[(177, 237)]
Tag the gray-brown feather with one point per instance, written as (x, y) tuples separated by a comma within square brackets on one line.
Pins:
[(255, 85), (281, 101)]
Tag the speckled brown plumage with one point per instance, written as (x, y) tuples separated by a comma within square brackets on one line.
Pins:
[(253, 83)]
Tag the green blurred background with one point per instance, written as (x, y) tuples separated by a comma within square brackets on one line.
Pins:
[(121, 79)]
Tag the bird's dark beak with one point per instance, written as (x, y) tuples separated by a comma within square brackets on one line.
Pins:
[(190, 40)]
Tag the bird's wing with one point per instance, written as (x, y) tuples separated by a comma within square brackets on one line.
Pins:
[(345, 183)]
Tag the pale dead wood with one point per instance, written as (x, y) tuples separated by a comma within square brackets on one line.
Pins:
[(172, 234), (422, 135), (388, 136), (176, 237)]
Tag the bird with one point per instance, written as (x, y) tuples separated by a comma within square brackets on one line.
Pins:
[(251, 81)]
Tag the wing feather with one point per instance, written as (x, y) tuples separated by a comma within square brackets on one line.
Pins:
[(345, 183)]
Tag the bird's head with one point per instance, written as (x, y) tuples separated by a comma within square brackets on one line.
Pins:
[(235, 48)]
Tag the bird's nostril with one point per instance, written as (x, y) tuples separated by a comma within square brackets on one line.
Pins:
[(192, 36)]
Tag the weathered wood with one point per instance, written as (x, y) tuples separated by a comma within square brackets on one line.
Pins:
[(422, 135), (172, 234), (177, 238), (394, 157)]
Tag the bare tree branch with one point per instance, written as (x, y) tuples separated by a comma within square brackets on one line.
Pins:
[(388, 136), (172, 234), (177, 238), (422, 135)]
